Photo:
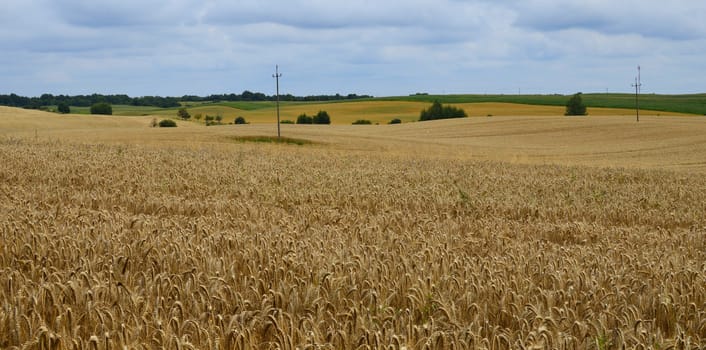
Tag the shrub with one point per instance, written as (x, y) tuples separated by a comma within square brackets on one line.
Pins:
[(63, 108), (395, 121), (286, 121), (362, 122), (322, 118), (102, 108), (183, 113), (240, 120), (439, 111), (305, 119), (198, 116), (575, 105), (167, 123)]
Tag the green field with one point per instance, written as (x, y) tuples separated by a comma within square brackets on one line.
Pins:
[(126, 110), (690, 104)]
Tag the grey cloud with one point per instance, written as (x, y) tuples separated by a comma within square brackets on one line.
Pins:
[(125, 13), (676, 20), (367, 46)]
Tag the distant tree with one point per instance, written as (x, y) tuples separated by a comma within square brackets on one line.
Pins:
[(63, 108), (286, 121), (362, 122), (167, 123), (183, 113), (219, 118), (102, 108), (395, 121), (322, 118), (305, 119), (439, 111), (575, 105), (240, 120), (209, 119), (198, 116)]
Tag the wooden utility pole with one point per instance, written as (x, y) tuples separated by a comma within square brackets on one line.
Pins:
[(277, 75), (637, 86)]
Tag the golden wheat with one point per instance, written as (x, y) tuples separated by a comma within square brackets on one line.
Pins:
[(250, 246)]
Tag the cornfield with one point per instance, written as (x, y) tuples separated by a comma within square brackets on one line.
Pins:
[(114, 246)]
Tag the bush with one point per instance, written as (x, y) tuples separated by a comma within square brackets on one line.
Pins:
[(439, 111), (322, 118), (167, 123), (183, 113), (362, 122), (102, 108), (240, 120), (305, 119), (63, 108), (286, 121), (575, 105), (395, 121)]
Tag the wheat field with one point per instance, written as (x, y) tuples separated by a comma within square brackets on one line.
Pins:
[(114, 235), (381, 112)]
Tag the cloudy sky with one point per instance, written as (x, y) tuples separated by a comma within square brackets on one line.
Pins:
[(380, 47)]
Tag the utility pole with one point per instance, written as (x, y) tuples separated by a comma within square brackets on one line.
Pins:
[(637, 85), (277, 75)]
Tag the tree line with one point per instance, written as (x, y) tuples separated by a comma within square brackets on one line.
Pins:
[(14, 100), (258, 96)]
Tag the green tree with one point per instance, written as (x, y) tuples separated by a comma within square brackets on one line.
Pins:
[(183, 113), (322, 118), (305, 119), (240, 120), (102, 108), (219, 118), (63, 108), (439, 111), (575, 105), (395, 121), (362, 122)]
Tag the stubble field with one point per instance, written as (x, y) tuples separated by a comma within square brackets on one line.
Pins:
[(432, 235)]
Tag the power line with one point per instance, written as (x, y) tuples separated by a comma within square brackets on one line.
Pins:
[(277, 75)]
